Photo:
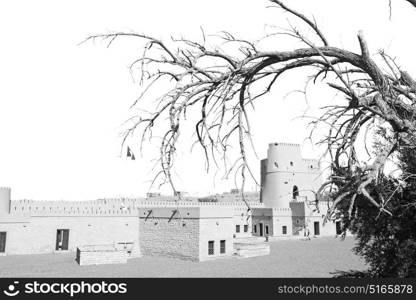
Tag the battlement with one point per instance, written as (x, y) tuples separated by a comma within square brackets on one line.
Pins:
[(111, 207), (284, 145)]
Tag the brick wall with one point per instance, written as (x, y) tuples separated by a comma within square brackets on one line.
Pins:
[(185, 234), (176, 237)]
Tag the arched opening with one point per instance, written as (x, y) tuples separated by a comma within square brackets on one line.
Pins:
[(295, 192)]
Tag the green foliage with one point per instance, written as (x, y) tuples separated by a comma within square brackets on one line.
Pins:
[(387, 243)]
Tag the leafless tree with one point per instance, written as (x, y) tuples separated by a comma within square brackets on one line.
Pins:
[(222, 84)]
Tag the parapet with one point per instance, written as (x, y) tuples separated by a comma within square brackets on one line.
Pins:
[(186, 212), (284, 145), (115, 206)]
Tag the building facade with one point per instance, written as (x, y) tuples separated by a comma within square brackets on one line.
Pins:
[(288, 186), (196, 229)]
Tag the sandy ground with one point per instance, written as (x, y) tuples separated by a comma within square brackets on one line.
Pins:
[(290, 258)]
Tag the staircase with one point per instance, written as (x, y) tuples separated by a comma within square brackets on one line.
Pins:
[(250, 247)]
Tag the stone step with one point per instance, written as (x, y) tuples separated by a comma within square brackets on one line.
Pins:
[(250, 239), (250, 252), (250, 245)]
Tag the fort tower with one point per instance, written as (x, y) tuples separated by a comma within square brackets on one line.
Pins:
[(286, 177), (5, 200)]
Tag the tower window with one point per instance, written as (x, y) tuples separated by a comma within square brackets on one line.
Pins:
[(295, 192)]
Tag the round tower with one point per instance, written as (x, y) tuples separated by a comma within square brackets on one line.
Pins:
[(5, 193), (279, 187)]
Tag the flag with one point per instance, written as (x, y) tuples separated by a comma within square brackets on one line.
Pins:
[(130, 153)]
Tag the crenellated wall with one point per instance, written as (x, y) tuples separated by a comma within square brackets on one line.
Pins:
[(112, 206)]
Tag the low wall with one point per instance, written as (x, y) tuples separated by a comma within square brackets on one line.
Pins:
[(100, 254)]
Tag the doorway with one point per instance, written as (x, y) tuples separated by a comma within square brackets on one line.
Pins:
[(3, 242), (338, 228), (316, 228), (62, 239), (261, 229)]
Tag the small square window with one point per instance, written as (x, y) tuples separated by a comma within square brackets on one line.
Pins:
[(245, 228), (210, 247), (237, 228), (222, 246)]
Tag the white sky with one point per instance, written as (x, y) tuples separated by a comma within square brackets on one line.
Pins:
[(61, 105)]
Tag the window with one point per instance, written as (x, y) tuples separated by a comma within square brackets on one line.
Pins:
[(295, 192), (3, 242), (284, 229), (255, 229), (210, 247), (237, 228), (267, 229), (245, 228), (62, 239), (222, 246), (291, 163)]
